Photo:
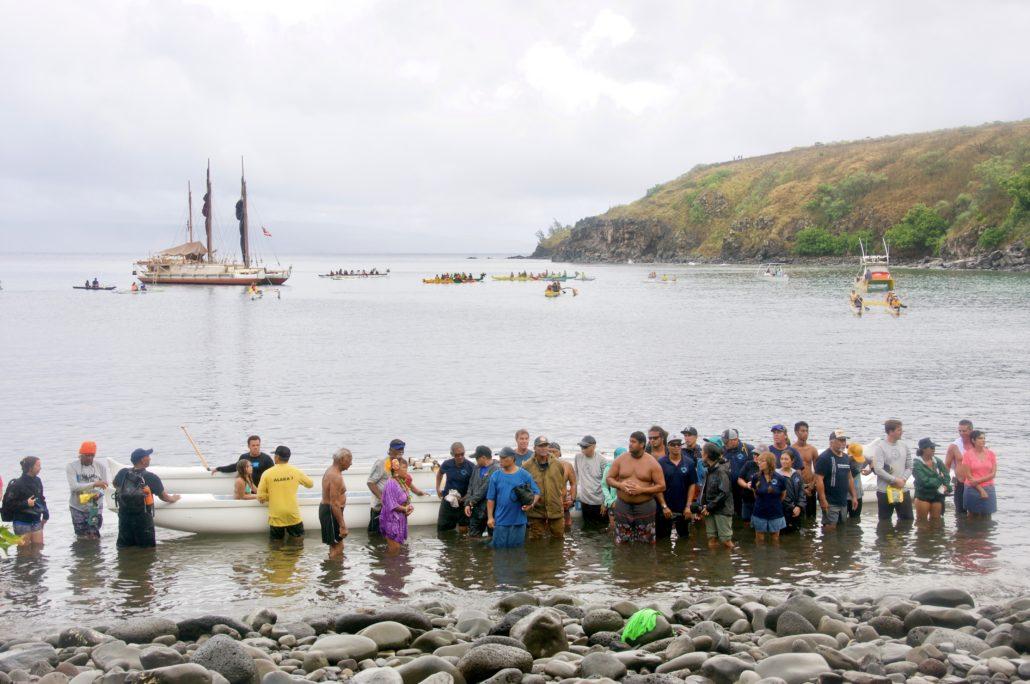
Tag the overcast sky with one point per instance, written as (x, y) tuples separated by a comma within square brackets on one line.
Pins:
[(450, 126)]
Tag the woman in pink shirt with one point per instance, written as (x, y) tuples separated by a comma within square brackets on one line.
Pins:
[(978, 467)]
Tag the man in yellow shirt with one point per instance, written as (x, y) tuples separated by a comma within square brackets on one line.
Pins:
[(278, 488)]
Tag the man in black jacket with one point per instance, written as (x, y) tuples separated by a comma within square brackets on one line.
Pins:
[(259, 460)]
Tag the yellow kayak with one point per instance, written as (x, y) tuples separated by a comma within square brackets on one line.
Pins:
[(551, 293)]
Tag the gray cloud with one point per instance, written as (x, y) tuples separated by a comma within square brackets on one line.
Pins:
[(447, 126)]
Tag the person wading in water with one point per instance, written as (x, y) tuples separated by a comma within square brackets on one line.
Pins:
[(637, 478)]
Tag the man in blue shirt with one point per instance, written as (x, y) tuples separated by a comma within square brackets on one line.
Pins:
[(835, 481), (506, 514), (781, 444), (680, 473), (522, 451), (458, 472)]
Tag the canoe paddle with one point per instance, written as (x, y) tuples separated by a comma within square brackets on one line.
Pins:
[(203, 460)]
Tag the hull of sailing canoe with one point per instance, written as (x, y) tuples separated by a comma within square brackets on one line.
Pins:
[(222, 514), (106, 288), (196, 480)]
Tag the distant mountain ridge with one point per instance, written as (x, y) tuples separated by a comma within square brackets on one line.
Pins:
[(954, 193)]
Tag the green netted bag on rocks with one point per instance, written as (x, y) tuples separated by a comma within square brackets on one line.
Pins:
[(639, 624)]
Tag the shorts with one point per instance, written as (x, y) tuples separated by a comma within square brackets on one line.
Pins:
[(935, 499), (974, 504), (835, 515), (959, 487), (86, 524), (373, 521), (592, 516), (768, 524), (720, 526), (508, 536), (330, 527), (546, 527), (277, 533), (635, 522), (450, 517), (27, 528), (663, 526)]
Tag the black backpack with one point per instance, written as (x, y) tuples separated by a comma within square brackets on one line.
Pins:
[(6, 507), (131, 496)]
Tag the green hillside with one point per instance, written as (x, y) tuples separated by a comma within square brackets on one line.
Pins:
[(952, 193)]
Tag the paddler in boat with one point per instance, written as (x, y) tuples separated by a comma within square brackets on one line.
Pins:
[(133, 288), (259, 460), (96, 284)]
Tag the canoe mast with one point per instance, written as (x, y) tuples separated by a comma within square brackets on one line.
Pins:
[(206, 211), (241, 215)]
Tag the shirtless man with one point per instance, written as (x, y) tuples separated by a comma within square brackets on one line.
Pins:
[(637, 478), (953, 460), (334, 499), (808, 455)]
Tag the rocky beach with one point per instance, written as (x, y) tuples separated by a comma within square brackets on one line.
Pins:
[(936, 635)]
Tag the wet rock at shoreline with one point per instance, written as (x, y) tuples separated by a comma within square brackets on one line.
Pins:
[(143, 630), (228, 658), (482, 662)]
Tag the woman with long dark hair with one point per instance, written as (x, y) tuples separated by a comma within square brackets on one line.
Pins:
[(244, 487), (979, 466), (26, 500)]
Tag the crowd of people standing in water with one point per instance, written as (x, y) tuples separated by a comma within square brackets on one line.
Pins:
[(657, 485)]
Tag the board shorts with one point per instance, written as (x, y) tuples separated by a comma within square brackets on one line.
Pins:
[(635, 522), (330, 527), (720, 526), (835, 515), (86, 524), (26, 528)]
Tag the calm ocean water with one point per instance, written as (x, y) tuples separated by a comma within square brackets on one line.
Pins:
[(354, 363)]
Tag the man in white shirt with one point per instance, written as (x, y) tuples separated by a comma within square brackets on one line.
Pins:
[(892, 463), (87, 481)]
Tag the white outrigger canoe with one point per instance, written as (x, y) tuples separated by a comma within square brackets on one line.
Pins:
[(197, 480), (207, 505)]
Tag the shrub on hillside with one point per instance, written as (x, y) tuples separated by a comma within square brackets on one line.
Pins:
[(919, 232), (814, 241)]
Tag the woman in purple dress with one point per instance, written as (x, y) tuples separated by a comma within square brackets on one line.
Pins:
[(393, 521)]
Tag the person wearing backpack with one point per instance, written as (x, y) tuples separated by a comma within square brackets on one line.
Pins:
[(24, 504), (134, 492)]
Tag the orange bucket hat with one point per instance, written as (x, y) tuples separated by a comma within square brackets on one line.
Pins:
[(88, 448)]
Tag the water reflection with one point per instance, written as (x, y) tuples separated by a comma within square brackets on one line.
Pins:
[(133, 583), (389, 570)]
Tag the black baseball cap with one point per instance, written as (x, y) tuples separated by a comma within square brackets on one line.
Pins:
[(587, 441), (282, 451), (484, 451), (926, 443), (507, 452), (689, 431)]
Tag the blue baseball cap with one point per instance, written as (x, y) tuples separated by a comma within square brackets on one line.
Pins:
[(397, 444), (140, 454), (777, 428)]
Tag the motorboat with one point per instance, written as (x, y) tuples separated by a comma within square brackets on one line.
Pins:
[(874, 289)]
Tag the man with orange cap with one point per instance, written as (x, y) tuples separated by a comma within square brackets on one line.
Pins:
[(87, 480)]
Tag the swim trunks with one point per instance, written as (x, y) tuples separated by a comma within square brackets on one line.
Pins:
[(634, 522)]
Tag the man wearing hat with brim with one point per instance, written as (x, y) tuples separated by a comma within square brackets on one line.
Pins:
[(589, 467), (87, 481), (474, 500), (738, 454), (377, 479), (278, 490), (547, 516), (835, 481), (692, 450), (135, 489)]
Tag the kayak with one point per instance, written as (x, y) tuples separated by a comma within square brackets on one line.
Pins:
[(106, 288), (551, 293), (512, 279), (448, 281)]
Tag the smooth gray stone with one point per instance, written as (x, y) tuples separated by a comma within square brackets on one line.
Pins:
[(438, 678), (482, 662), (949, 597), (795, 668), (602, 620), (339, 647), (888, 625), (786, 644), (901, 667), (143, 630), (934, 616), (24, 655), (1021, 637), (433, 639), (388, 636), (652, 679), (1001, 666), (836, 659), (806, 606), (263, 616), (81, 636), (117, 653), (510, 618), (426, 666), (625, 608), (932, 667), (638, 659), (833, 627), (661, 630), (687, 661), (542, 632), (790, 624), (509, 676), (559, 669), (892, 652), (160, 656), (999, 652), (377, 675), (725, 669), (678, 647), (514, 600), (183, 673), (726, 614), (961, 640), (300, 630), (314, 660), (61, 678), (85, 677), (601, 664), (454, 650), (227, 657)]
